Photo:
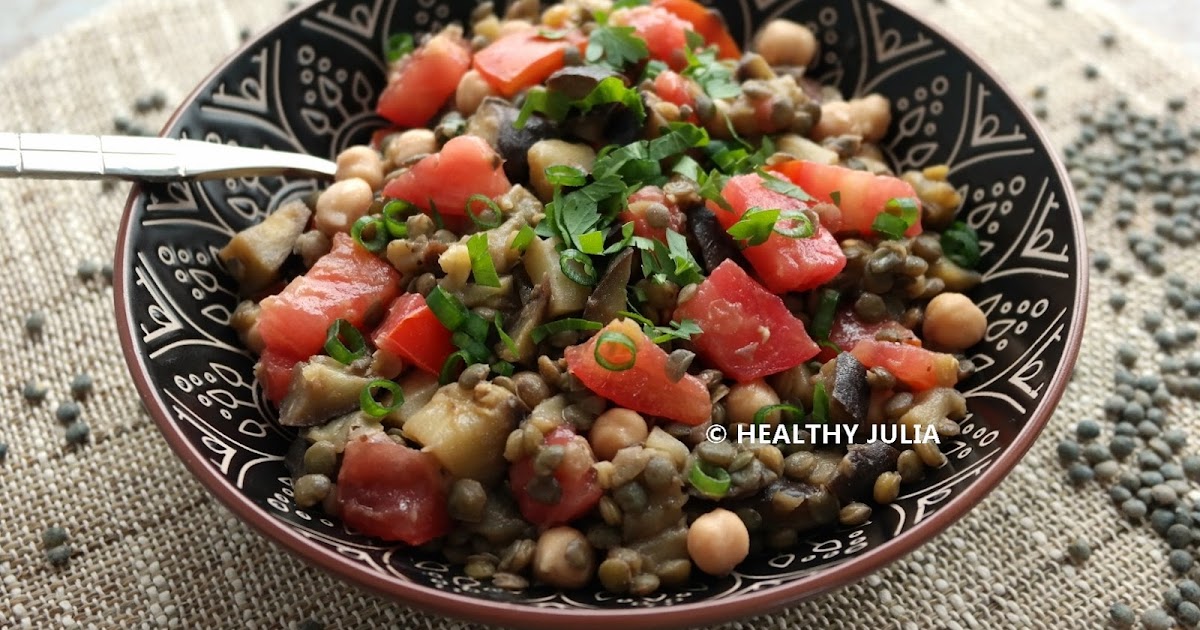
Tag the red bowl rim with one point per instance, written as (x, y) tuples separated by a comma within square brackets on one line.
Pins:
[(679, 615)]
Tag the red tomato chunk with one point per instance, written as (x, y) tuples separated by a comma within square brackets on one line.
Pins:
[(706, 22), (848, 330), (580, 489), (748, 332), (392, 492), (347, 283), (664, 32), (524, 59), (783, 263), (413, 332), (862, 195), (466, 166), (916, 367), (638, 208), (645, 387), (425, 80), (274, 372)]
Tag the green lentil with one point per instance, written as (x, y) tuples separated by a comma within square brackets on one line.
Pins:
[(34, 391), (1157, 619), (67, 412), (1117, 300), (1189, 614), (59, 555), (81, 386), (1080, 474), (1172, 598), (1121, 615), (1106, 470), (3, 452), (87, 269), (1161, 520), (1171, 470), (1068, 451), (311, 489), (1181, 561), (1179, 535), (77, 432), (1121, 446), (1191, 466), (35, 322), (1095, 453), (310, 623), (54, 536), (1134, 508), (1190, 590), (1079, 550)]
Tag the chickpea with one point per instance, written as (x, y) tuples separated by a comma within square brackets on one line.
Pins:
[(718, 541), (343, 203), (509, 27), (408, 145), (786, 43), (868, 117), (953, 322), (564, 558), (472, 89), (616, 429), (745, 399), (362, 162)]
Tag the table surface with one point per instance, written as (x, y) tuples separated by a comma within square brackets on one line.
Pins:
[(1175, 20)]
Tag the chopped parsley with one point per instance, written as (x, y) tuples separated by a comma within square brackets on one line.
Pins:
[(757, 225), (782, 186), (960, 243), (616, 47), (556, 106), (714, 77), (399, 45), (675, 331)]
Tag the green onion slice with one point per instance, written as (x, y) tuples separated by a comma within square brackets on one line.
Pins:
[(822, 323), (482, 266), (523, 239), (712, 481), (447, 308), (454, 364), (374, 227), (476, 351), (477, 327), (505, 338), (578, 267), (371, 406), (490, 217), (344, 343), (898, 215), (503, 368), (564, 175), (399, 45), (541, 333), (803, 227), (611, 338), (820, 403), (760, 416), (395, 214)]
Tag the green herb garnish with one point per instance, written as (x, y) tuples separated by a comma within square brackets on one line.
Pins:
[(399, 45), (616, 47), (482, 266), (621, 340), (960, 243), (344, 343), (898, 215), (712, 481), (371, 406)]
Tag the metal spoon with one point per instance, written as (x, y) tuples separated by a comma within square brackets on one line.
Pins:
[(65, 156)]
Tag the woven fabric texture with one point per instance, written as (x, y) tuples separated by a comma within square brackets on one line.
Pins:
[(154, 549)]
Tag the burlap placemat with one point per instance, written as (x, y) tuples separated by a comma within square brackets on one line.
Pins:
[(152, 548)]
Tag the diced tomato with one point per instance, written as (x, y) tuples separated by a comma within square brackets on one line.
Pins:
[(413, 332), (748, 332), (673, 87), (524, 59), (848, 330), (466, 166), (707, 22), (347, 283), (639, 203), (645, 387), (862, 195), (664, 32), (782, 263), (425, 80), (274, 372), (916, 367), (580, 489), (392, 492)]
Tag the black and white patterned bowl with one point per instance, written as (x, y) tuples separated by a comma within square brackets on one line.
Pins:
[(309, 84)]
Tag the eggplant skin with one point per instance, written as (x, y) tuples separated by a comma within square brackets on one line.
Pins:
[(859, 468), (851, 395), (714, 243)]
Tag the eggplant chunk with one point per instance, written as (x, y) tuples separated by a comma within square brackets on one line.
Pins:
[(795, 505), (255, 255), (577, 82), (321, 389), (609, 297), (715, 245), (542, 262), (850, 393), (531, 316), (466, 429), (549, 153), (857, 471), (493, 121)]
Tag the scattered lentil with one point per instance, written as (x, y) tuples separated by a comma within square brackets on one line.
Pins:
[(1068, 451), (1181, 561), (81, 386), (1087, 430), (34, 391), (35, 322), (1121, 446), (1157, 619), (77, 432), (1189, 614), (67, 412), (59, 555), (87, 269), (1080, 474), (1079, 550), (1134, 508)]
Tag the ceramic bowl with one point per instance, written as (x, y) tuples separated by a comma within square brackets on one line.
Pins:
[(309, 84)]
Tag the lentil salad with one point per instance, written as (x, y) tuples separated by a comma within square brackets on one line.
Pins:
[(594, 232)]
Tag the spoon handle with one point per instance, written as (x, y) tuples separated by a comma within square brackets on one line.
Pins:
[(66, 156)]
